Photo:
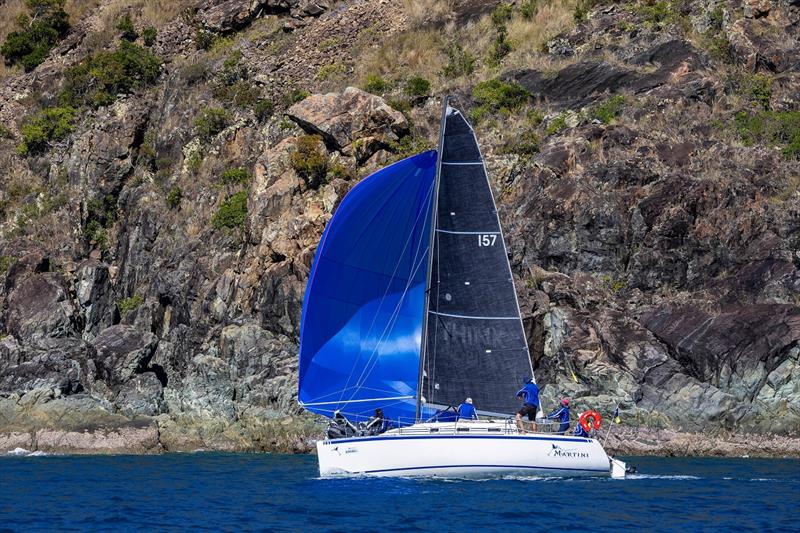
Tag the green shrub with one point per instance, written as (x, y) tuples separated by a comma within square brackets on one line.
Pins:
[(757, 88), (263, 108), (400, 104), (376, 85), (582, 8), (459, 62), (656, 13), (210, 122), (500, 48), (417, 86), (773, 128), (45, 25), (493, 96), (327, 72), (241, 94), (557, 125), (6, 262), (310, 161), (174, 197), (234, 176), (528, 8), (125, 26), (525, 144), (96, 233), (609, 110), (204, 39), (98, 79), (149, 35), (409, 145), (5, 133), (502, 14), (129, 304), (232, 213), (295, 95), (48, 125)]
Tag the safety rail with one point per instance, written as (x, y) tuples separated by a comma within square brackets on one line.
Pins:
[(505, 426)]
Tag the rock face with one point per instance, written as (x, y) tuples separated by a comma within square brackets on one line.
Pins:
[(653, 236), (352, 115)]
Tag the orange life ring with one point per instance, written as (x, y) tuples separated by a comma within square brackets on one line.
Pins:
[(595, 420)]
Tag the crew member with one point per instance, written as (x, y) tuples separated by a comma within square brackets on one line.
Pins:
[(530, 404), (562, 414), (376, 424), (466, 411)]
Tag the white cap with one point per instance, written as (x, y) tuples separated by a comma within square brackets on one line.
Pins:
[(469, 400)]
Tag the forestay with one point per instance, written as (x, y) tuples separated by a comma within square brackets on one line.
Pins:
[(361, 327), (476, 344)]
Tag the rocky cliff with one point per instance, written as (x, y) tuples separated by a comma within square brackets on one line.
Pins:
[(167, 170)]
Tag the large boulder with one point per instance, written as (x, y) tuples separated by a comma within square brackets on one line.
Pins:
[(142, 395), (40, 309), (343, 118), (121, 352)]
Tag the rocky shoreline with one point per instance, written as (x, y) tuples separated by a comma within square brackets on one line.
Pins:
[(164, 434)]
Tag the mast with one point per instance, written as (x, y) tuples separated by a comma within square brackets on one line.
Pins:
[(428, 278)]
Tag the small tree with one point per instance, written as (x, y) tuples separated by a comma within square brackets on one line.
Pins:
[(45, 25), (125, 25), (310, 161), (232, 212), (210, 122)]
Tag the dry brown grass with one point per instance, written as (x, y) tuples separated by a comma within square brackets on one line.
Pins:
[(416, 52), (528, 36), (420, 12), (420, 50)]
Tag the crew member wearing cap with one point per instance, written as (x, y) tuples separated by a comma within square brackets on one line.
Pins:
[(529, 393), (562, 414), (467, 411)]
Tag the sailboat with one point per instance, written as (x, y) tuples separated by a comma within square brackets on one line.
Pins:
[(410, 308)]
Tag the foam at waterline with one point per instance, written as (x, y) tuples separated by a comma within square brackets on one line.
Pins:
[(22, 452)]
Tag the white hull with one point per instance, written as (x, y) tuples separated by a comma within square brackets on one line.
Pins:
[(464, 449)]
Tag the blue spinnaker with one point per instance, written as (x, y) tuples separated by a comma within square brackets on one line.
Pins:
[(361, 329)]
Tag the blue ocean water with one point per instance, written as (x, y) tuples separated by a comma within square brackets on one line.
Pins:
[(244, 492)]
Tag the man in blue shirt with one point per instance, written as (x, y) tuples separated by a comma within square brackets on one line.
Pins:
[(530, 404), (466, 411), (562, 414)]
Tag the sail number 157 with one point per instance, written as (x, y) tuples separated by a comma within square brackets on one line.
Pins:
[(486, 240)]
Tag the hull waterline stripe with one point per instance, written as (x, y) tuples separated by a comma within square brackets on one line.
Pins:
[(518, 467), (358, 401), (418, 437), (462, 163), (467, 232), (476, 317)]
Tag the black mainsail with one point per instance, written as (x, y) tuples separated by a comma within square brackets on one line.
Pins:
[(474, 343)]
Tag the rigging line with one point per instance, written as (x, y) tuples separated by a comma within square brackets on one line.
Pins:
[(358, 401), (475, 317), (319, 399), (374, 356), (432, 364), (388, 285), (438, 230)]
